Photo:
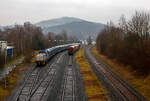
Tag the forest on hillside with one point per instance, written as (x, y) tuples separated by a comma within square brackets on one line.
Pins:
[(128, 42)]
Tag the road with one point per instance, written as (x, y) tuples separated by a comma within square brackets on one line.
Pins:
[(59, 80), (119, 89)]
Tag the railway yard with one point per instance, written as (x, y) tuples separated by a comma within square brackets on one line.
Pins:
[(75, 50), (81, 77), (59, 80)]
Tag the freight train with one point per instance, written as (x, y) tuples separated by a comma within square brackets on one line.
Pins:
[(44, 55)]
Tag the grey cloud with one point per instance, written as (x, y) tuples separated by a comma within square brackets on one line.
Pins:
[(19, 11)]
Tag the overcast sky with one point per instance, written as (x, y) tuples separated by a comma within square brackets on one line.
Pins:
[(19, 11)]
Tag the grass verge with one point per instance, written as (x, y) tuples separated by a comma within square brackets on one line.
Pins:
[(142, 84), (12, 80), (13, 61), (94, 90)]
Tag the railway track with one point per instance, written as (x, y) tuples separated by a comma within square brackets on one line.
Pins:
[(29, 83), (68, 86), (71, 90), (55, 82), (38, 81), (119, 89)]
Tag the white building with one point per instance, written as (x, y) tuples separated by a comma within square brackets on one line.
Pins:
[(3, 45), (5, 48), (93, 43)]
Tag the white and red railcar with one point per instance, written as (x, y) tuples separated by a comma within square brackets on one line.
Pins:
[(72, 49)]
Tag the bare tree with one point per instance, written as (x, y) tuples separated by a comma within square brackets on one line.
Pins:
[(129, 42)]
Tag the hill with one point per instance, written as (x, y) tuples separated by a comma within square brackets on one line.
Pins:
[(79, 29), (74, 26), (57, 21)]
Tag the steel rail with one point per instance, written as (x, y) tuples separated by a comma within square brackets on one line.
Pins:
[(122, 91)]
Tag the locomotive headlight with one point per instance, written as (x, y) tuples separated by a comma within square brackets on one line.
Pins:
[(40, 57)]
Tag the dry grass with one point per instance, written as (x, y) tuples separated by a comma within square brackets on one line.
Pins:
[(12, 79), (94, 90), (13, 61), (140, 83)]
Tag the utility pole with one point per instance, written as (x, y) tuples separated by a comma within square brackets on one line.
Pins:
[(5, 65)]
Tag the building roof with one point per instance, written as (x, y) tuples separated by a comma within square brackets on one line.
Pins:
[(1, 41), (9, 47)]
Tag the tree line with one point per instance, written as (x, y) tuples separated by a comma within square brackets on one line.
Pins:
[(128, 42), (27, 38)]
